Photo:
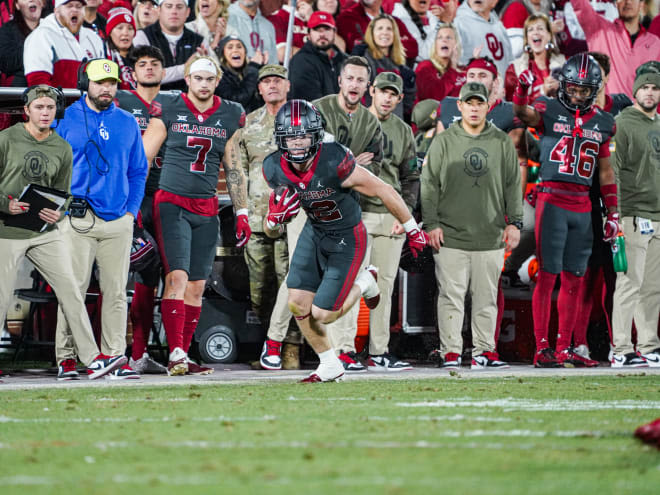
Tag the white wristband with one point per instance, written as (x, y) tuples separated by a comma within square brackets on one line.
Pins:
[(242, 211), (410, 225)]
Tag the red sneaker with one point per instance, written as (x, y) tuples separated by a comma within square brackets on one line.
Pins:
[(271, 355), (570, 359), (196, 369), (546, 358), (451, 361)]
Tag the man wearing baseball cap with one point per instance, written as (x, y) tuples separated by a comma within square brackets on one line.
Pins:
[(109, 173), (314, 69), (54, 50), (637, 163), (472, 210)]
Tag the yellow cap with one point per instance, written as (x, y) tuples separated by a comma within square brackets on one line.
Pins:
[(101, 69)]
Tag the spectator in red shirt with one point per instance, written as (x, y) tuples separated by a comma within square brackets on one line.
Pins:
[(120, 29), (353, 21), (625, 41), (280, 21), (540, 55), (439, 76)]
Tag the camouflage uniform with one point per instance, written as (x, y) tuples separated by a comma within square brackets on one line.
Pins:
[(267, 259), (424, 116)]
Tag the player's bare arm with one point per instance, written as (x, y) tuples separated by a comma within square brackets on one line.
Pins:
[(364, 182), (236, 182), (153, 138)]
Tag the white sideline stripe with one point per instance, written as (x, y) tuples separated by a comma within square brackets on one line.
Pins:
[(183, 399), (213, 419), (511, 404), (163, 419), (362, 444)]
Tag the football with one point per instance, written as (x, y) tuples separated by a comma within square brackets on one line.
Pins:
[(282, 189)]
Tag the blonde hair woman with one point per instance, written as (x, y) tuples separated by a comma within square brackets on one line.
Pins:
[(540, 55), (440, 76), (210, 20), (385, 53), (145, 13)]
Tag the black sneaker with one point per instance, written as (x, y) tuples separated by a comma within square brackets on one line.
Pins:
[(350, 362), (387, 362), (512, 280), (630, 360), (67, 370)]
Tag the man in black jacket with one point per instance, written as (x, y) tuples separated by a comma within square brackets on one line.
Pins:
[(177, 42), (314, 70)]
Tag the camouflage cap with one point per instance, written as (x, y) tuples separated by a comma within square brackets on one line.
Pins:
[(389, 80), (273, 70), (473, 90), (38, 91), (424, 114)]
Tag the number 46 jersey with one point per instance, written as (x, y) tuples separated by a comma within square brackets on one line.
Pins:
[(569, 158), (196, 144)]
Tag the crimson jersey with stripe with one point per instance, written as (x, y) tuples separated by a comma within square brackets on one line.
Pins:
[(569, 158), (196, 144), (328, 205), (133, 103)]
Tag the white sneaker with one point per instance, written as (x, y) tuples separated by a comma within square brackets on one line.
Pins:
[(368, 280), (326, 372), (630, 360), (582, 350), (177, 363), (146, 365), (653, 358)]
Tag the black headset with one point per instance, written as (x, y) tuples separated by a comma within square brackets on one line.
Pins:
[(83, 79), (60, 102)]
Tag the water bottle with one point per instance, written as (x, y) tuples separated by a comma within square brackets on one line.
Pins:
[(533, 175), (619, 253)]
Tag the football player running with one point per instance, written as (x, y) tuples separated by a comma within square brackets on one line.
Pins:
[(575, 142), (323, 275)]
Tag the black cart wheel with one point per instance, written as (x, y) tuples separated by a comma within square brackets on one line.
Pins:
[(218, 345)]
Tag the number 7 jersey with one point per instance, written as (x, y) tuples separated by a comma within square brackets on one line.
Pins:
[(566, 157), (196, 144)]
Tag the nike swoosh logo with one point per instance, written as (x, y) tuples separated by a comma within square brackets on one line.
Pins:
[(653, 360)]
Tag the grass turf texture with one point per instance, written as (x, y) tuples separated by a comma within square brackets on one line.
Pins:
[(357, 436)]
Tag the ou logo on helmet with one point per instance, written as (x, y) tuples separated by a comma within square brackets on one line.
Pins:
[(495, 46)]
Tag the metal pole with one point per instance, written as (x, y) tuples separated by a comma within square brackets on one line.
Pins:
[(289, 33)]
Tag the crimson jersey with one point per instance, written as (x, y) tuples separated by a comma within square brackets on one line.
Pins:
[(328, 205), (143, 111), (569, 158), (196, 144), (500, 115)]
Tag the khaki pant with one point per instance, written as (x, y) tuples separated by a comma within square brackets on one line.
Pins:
[(281, 316), (109, 243), (637, 293), (455, 271), (51, 256), (383, 251)]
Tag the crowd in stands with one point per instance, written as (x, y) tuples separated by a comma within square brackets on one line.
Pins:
[(433, 46)]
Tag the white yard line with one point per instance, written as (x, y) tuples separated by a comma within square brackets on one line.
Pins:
[(511, 404)]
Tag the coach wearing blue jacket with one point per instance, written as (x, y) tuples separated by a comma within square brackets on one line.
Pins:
[(109, 173)]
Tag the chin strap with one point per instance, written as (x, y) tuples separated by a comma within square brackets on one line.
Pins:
[(577, 130)]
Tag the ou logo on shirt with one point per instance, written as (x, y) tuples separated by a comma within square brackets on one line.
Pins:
[(495, 46), (103, 132)]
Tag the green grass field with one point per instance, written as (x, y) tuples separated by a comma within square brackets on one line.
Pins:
[(456, 435)]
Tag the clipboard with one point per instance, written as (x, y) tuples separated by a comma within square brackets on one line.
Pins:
[(38, 197)]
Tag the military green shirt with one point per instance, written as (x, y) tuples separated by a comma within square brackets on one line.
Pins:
[(23, 161), (636, 161), (359, 131), (470, 187), (399, 166), (256, 141)]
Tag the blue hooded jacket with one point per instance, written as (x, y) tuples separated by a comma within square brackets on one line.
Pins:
[(109, 164)]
